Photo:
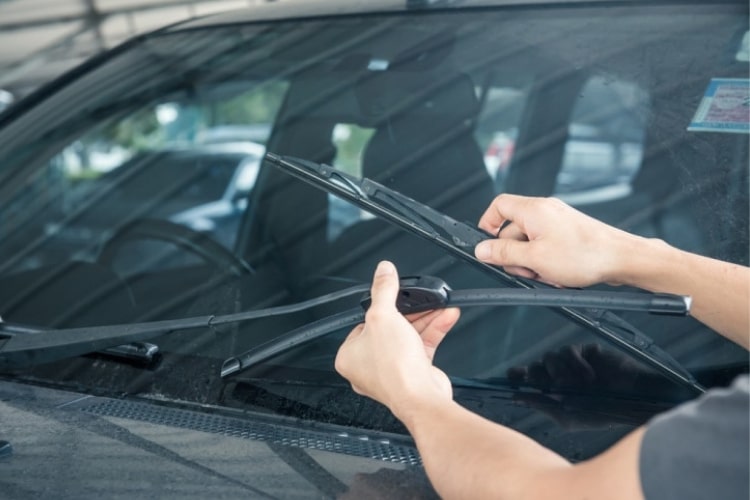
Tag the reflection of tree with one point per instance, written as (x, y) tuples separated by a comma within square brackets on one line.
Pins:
[(138, 131), (350, 147), (144, 128), (258, 105)]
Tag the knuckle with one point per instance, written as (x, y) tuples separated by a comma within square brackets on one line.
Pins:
[(499, 199), (500, 202), (339, 364), (379, 281), (533, 251), (374, 315), (555, 204), (500, 251)]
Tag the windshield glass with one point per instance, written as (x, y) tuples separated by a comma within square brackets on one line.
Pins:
[(137, 192)]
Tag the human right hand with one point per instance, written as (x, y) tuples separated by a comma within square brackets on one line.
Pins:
[(389, 357), (547, 240)]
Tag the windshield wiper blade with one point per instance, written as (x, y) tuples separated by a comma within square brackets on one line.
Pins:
[(22, 346), (427, 293), (458, 238)]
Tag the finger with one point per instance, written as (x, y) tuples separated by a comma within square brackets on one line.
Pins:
[(538, 375), (591, 351), (513, 232), (503, 252), (578, 368), (504, 207), (356, 331), (437, 329), (523, 272), (384, 289), (420, 320), (601, 361), (341, 362), (517, 374), (556, 369)]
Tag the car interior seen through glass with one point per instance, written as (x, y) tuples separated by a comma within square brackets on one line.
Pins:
[(150, 198)]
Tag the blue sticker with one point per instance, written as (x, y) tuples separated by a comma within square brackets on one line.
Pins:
[(725, 107)]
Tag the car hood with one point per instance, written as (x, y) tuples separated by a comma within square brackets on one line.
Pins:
[(69, 445)]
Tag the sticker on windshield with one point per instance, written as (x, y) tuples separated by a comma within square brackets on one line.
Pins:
[(725, 107)]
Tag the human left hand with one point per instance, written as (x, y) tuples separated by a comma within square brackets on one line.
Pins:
[(389, 357)]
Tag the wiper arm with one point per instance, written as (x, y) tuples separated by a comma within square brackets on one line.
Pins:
[(22, 346), (426, 293)]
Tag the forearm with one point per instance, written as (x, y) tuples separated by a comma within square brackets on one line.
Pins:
[(720, 290), (467, 456)]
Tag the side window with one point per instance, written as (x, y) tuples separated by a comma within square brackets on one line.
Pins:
[(497, 129), (605, 142), (186, 162), (350, 141)]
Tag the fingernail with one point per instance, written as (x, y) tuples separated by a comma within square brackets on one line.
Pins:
[(482, 250), (384, 268)]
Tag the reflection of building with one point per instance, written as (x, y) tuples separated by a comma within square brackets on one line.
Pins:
[(40, 39), (6, 98)]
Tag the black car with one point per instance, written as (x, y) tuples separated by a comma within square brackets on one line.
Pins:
[(145, 356)]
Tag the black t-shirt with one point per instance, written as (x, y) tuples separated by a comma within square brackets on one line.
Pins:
[(700, 450)]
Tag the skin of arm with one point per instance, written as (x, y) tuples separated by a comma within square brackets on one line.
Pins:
[(553, 242), (389, 358)]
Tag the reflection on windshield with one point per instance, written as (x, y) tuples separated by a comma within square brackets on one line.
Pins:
[(139, 192)]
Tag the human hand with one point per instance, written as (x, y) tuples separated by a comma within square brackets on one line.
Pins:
[(580, 368), (571, 375), (389, 357), (547, 240)]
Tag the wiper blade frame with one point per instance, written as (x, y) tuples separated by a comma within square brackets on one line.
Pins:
[(422, 220), (458, 238), (628, 338)]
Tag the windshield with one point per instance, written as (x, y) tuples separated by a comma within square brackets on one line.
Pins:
[(137, 191)]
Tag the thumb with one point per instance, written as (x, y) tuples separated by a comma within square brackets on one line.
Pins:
[(385, 287), (503, 252)]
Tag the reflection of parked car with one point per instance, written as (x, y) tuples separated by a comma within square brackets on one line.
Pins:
[(220, 216), (414, 79), (186, 178), (499, 153), (257, 133), (204, 188), (591, 162)]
